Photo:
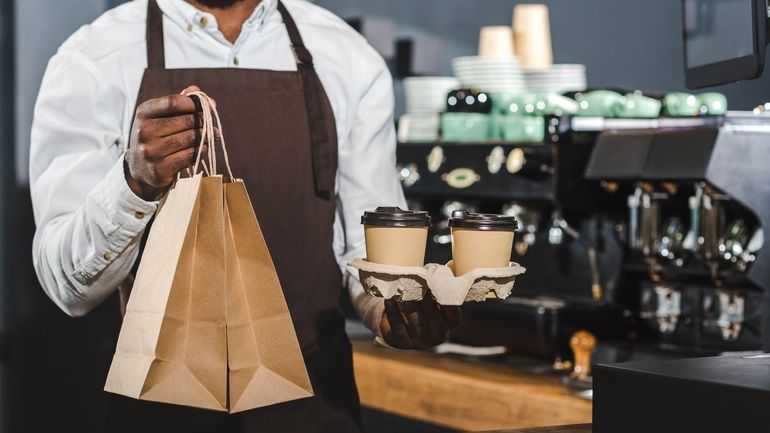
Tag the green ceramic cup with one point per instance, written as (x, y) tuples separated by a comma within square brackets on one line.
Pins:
[(640, 107), (502, 101), (465, 127), (681, 104), (601, 103), (712, 104), (496, 121), (533, 104), (520, 129)]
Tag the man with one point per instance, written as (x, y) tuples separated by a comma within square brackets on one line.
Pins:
[(307, 112)]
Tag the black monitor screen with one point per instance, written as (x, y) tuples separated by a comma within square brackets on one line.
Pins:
[(717, 30)]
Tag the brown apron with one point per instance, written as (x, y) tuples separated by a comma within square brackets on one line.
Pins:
[(282, 140)]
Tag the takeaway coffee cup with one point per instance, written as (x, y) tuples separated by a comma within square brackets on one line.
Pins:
[(395, 236), (481, 240)]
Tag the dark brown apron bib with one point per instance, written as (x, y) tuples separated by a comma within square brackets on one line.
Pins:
[(282, 140)]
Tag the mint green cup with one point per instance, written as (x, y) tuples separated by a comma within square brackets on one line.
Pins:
[(712, 103), (519, 129), (681, 104), (601, 103), (465, 127), (640, 107), (503, 101), (518, 104)]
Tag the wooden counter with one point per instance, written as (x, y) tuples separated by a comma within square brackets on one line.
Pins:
[(580, 428), (459, 394)]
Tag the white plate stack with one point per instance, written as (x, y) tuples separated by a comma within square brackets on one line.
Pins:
[(557, 79), (425, 101), (490, 74)]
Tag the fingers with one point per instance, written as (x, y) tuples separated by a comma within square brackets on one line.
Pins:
[(393, 326), (167, 169), (451, 315), (438, 327), (165, 106), (417, 325), (172, 144), (413, 324), (166, 126)]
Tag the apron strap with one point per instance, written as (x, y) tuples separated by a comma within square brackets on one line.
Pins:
[(156, 55), (323, 132), (303, 56)]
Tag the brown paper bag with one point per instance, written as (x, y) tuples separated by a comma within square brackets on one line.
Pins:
[(264, 357), (172, 346), (207, 324)]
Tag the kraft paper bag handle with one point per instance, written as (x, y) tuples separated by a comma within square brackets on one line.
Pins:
[(210, 114)]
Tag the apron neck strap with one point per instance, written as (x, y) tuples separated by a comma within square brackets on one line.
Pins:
[(303, 56), (156, 57)]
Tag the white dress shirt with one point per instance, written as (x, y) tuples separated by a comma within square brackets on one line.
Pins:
[(89, 222)]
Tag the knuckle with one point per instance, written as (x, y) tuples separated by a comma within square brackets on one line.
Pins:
[(142, 110), (142, 152), (172, 103), (142, 132), (150, 152)]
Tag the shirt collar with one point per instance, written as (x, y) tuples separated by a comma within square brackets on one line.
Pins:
[(189, 17)]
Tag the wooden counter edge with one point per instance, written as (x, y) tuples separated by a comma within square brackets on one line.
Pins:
[(461, 395)]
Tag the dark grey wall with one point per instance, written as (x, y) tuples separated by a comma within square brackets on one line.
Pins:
[(40, 27), (635, 43)]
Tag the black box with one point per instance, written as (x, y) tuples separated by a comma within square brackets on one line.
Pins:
[(726, 394)]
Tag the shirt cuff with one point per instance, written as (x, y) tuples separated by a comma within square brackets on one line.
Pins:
[(124, 208), (368, 308)]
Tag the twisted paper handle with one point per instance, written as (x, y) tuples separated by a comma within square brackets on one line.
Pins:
[(209, 115)]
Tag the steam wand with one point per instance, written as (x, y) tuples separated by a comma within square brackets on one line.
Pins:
[(596, 286)]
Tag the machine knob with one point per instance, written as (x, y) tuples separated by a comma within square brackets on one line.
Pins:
[(496, 159), (435, 158), (582, 344)]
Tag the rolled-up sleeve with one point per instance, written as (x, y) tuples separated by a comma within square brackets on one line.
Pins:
[(89, 222), (367, 179)]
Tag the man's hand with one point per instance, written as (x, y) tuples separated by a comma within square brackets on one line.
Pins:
[(164, 141), (418, 324)]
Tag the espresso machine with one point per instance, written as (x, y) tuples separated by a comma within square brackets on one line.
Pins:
[(572, 253), (648, 233)]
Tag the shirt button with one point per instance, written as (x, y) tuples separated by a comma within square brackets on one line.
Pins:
[(236, 61), (204, 21), (107, 256), (189, 27), (139, 215)]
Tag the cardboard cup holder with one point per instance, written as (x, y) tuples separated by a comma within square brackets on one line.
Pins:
[(412, 283)]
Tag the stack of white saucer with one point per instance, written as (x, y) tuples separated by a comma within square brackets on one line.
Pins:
[(425, 101), (490, 74), (557, 79)]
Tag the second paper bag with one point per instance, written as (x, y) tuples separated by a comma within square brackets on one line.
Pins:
[(266, 364)]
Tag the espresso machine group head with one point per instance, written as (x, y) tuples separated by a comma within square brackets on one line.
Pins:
[(698, 201)]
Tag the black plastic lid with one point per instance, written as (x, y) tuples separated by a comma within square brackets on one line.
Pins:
[(395, 217), (483, 221)]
